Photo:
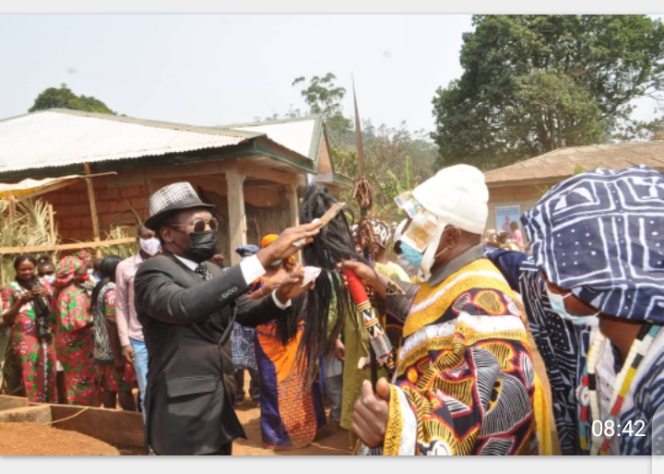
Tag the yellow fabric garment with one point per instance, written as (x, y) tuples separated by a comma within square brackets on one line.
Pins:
[(541, 410), (465, 377)]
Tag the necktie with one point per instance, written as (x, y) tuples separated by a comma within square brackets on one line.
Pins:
[(203, 272)]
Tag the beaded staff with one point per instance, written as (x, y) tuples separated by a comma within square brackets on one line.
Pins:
[(378, 340)]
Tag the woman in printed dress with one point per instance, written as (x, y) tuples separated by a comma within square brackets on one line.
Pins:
[(74, 340), (117, 377), (292, 412), (27, 305)]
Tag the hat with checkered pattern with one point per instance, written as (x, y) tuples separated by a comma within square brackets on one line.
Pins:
[(171, 199)]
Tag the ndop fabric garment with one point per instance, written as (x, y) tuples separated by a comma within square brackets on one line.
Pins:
[(600, 235)]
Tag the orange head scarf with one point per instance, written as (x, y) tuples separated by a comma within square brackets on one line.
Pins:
[(268, 239)]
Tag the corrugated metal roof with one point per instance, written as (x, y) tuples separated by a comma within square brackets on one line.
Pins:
[(562, 163), (301, 135), (63, 137)]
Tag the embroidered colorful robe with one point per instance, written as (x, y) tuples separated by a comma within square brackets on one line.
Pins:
[(465, 381)]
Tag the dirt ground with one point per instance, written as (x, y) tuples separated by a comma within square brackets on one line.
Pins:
[(36, 439), (24, 439), (338, 444)]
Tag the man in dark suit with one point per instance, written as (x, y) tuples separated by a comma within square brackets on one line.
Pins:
[(187, 307)]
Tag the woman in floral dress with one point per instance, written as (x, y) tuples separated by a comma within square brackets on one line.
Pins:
[(115, 374), (74, 341), (27, 305)]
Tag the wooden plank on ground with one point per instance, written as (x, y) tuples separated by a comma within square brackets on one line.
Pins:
[(116, 427)]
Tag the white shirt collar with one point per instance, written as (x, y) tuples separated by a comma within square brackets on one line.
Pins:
[(190, 264)]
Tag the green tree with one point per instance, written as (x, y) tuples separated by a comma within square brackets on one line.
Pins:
[(324, 97), (64, 98), (395, 159), (534, 83)]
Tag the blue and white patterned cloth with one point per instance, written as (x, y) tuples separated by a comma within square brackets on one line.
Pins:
[(600, 234), (563, 347)]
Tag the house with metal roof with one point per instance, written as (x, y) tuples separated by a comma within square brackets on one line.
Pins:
[(251, 177), (305, 135), (521, 185)]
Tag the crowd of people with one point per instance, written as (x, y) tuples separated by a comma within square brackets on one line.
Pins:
[(458, 306)]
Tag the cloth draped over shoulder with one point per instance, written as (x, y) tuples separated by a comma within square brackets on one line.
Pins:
[(465, 381), (564, 347)]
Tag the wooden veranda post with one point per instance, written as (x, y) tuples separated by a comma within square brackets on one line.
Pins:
[(93, 207), (237, 221)]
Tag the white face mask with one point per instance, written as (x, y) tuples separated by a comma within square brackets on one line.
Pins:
[(558, 305), (150, 246), (49, 278)]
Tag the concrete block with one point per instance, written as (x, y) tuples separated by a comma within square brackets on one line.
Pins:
[(36, 414), (8, 402)]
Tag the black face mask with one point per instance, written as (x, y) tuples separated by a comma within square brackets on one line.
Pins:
[(201, 247)]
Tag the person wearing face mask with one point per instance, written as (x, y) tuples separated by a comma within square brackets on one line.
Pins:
[(592, 291), (74, 340), (187, 307), (46, 271), (86, 258), (464, 381), (27, 307), (129, 327)]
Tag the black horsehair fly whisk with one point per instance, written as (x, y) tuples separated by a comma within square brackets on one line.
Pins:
[(333, 244)]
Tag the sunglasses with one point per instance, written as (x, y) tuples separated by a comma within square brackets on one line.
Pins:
[(200, 225)]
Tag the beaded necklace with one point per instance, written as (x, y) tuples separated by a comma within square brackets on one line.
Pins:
[(587, 391)]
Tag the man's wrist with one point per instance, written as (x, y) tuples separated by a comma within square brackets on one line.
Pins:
[(265, 257)]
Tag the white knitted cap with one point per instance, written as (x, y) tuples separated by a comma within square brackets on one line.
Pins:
[(458, 196)]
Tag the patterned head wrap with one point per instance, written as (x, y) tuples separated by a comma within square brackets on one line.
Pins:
[(84, 256), (66, 270), (268, 239), (382, 232), (598, 234)]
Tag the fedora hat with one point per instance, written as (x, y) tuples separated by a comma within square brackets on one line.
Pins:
[(171, 199)]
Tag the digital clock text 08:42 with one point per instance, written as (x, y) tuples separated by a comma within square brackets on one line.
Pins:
[(610, 428)]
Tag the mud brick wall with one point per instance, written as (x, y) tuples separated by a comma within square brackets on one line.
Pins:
[(116, 205)]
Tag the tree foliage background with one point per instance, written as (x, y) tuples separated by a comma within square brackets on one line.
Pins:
[(64, 98), (534, 83), (396, 159)]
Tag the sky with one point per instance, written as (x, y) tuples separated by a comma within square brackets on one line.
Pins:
[(223, 69)]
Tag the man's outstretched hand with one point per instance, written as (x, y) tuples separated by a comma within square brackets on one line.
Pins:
[(289, 242), (291, 287), (371, 413)]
